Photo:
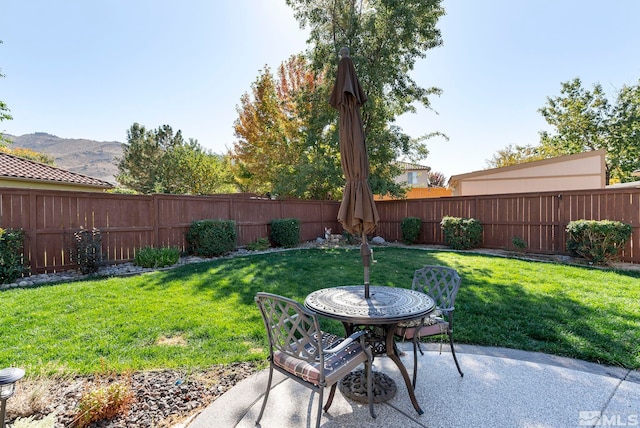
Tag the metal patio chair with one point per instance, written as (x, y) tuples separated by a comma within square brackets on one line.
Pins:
[(441, 284), (301, 351)]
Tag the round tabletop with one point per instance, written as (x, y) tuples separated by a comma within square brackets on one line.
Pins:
[(385, 305)]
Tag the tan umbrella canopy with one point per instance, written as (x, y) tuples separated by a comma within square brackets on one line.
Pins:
[(358, 214)]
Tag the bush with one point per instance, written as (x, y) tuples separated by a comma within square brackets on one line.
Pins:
[(210, 238), (410, 227), (285, 232), (103, 403), (12, 264), (598, 241), (518, 243), (88, 251), (259, 244), (150, 257), (461, 233)]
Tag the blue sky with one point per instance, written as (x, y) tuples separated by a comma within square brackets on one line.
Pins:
[(86, 69)]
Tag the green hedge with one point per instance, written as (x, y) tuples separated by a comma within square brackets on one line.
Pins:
[(285, 232), (210, 238), (601, 242), (12, 265), (461, 233), (410, 228)]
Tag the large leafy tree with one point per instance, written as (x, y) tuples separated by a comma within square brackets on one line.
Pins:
[(159, 161), (287, 133), (586, 120), (282, 146), (386, 38)]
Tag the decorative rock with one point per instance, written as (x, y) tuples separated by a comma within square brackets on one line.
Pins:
[(378, 240)]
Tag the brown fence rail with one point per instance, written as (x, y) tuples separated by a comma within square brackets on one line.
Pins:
[(130, 222)]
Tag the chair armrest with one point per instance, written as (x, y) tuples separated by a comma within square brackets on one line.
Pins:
[(340, 346), (447, 311)]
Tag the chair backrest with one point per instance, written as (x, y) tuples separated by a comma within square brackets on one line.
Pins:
[(439, 282), (291, 328)]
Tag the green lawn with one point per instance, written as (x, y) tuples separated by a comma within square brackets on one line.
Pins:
[(203, 314)]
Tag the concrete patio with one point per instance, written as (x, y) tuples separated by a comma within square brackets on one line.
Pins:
[(500, 388)]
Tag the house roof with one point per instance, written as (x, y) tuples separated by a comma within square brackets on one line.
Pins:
[(406, 166), (14, 167)]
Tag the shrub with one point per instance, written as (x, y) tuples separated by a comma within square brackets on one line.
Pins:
[(12, 264), (88, 251), (210, 238), (410, 227), (103, 403), (350, 239), (598, 241), (259, 244), (150, 257), (461, 233), (285, 232), (518, 243)]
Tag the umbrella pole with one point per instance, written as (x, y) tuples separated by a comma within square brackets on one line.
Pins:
[(365, 252)]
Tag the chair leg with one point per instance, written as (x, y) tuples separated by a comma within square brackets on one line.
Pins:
[(369, 374), (266, 394), (330, 399), (453, 352), (416, 346), (319, 415)]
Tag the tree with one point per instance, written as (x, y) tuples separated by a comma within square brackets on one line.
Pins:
[(515, 154), (160, 161), (29, 154), (437, 179), (386, 38), (585, 120), (625, 133), (282, 145)]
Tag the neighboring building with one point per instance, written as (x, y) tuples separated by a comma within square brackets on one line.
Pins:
[(572, 172), (23, 173), (416, 177), (413, 174)]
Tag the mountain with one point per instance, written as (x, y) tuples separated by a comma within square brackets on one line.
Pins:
[(96, 159)]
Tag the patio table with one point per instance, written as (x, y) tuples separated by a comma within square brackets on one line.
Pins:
[(380, 313)]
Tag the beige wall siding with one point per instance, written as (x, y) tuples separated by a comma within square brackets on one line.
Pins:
[(44, 185), (575, 172)]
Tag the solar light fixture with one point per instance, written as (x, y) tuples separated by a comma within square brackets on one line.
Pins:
[(8, 379)]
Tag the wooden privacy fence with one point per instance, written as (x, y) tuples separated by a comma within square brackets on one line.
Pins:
[(130, 222), (540, 219)]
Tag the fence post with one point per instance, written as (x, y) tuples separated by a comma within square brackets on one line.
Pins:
[(156, 220), (562, 233), (33, 236)]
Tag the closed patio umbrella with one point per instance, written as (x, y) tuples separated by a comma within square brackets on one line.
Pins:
[(358, 214)]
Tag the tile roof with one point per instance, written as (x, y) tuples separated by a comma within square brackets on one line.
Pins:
[(25, 169), (408, 165)]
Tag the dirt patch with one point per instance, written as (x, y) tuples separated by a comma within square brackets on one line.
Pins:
[(172, 341)]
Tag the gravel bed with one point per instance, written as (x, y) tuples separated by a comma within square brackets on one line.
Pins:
[(164, 398)]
